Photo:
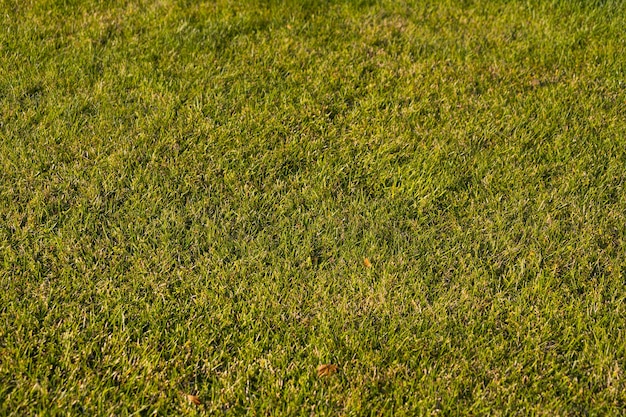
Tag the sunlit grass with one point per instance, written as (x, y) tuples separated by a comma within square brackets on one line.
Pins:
[(189, 191)]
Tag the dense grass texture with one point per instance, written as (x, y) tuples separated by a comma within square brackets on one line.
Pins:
[(189, 190)]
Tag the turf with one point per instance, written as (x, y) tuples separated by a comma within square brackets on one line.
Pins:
[(189, 191)]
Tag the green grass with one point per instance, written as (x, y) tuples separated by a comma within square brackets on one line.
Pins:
[(188, 190)]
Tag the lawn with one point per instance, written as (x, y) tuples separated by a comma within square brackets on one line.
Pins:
[(214, 198)]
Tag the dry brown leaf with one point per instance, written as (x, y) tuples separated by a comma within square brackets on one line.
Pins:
[(326, 369), (194, 399), (367, 263)]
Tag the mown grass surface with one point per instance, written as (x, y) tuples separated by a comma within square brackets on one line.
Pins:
[(188, 190)]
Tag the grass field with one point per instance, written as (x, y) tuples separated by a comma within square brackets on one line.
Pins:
[(213, 198)]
